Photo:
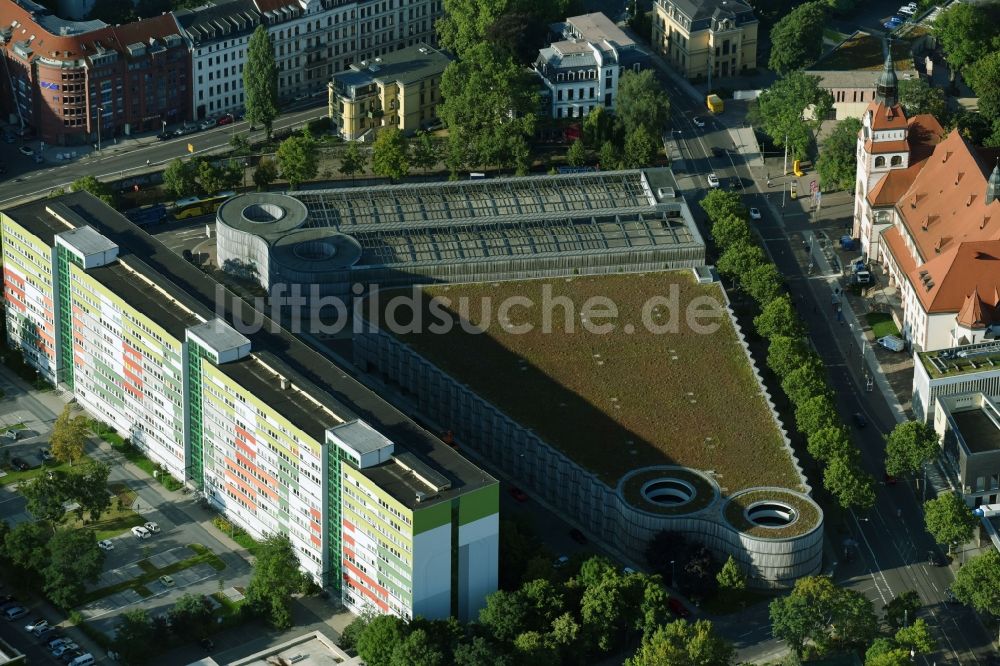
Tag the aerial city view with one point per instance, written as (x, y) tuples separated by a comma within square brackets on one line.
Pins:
[(500, 333)]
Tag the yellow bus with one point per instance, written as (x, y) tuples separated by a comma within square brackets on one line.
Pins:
[(196, 206)]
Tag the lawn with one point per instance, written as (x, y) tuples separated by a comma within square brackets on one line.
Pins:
[(237, 534), (617, 401), (864, 52), (117, 519), (881, 324), (50, 465)]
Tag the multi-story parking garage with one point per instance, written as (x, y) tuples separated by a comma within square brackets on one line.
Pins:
[(503, 228)]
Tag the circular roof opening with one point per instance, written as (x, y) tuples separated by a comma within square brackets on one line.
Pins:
[(263, 213), (770, 513), (668, 491), (316, 250)]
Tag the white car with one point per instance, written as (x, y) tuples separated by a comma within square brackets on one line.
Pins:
[(208, 123), (754, 214), (140, 532), (698, 121), (907, 10), (62, 648), (105, 545), (713, 180), (37, 624), (152, 527)]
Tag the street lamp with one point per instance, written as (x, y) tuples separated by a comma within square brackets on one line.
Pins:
[(100, 117), (673, 575)]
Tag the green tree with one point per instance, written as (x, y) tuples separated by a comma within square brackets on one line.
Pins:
[(883, 652), (965, 33), (576, 154), (977, 583), (641, 102), (479, 652), (425, 152), (380, 637), (983, 76), (901, 609), (240, 143), (489, 106), (542, 603), (73, 560), (598, 127), (24, 545), (265, 173), (209, 177), (815, 413), (260, 80), (804, 382), (532, 648), (683, 644), (739, 259), (763, 282), (417, 649), (352, 162), (232, 174), (505, 615), (88, 487), (45, 497), (917, 96), (604, 611), (916, 637), (134, 637), (837, 164), (729, 229), (809, 613), (778, 317), (276, 576), (731, 577), (720, 203), (607, 157), (654, 610), (465, 23), (909, 446), (948, 520), (846, 481), (785, 354), (797, 39), (825, 443), (640, 147), (90, 184), (391, 154), (180, 178), (298, 160), (191, 616), (780, 111), (69, 434)]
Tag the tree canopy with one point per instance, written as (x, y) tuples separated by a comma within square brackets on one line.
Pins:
[(69, 434), (100, 190), (977, 583), (852, 486), (965, 33), (917, 96), (298, 160), (180, 178), (276, 576), (260, 80), (948, 520), (837, 163), (642, 102), (391, 154), (797, 39), (909, 446), (818, 611), (781, 109), (683, 644)]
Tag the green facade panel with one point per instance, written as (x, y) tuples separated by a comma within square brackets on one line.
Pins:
[(479, 504)]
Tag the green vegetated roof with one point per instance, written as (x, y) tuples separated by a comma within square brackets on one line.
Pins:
[(862, 51), (807, 514), (933, 362), (619, 401)]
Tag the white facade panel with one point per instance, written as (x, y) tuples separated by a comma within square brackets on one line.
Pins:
[(432, 573)]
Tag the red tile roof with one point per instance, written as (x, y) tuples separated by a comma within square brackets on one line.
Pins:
[(923, 133), (58, 47), (141, 31), (887, 117), (945, 283), (876, 147)]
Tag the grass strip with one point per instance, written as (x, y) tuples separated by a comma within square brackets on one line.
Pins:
[(152, 572)]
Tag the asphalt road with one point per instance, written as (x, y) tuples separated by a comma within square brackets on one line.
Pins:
[(26, 179), (890, 555)]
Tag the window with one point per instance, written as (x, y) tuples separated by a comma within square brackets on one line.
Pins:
[(896, 160), (879, 161)]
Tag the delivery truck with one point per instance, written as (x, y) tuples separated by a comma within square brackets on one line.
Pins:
[(714, 103)]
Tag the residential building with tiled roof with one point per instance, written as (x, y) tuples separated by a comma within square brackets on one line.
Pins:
[(706, 39)]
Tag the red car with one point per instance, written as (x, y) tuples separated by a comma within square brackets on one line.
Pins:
[(225, 120), (678, 608), (518, 494), (890, 480)]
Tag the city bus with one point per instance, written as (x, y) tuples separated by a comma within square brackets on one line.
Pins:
[(195, 206)]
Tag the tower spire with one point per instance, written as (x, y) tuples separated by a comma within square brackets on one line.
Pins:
[(887, 88), (993, 184)]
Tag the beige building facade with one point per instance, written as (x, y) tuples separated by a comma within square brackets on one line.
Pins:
[(401, 89), (706, 39)]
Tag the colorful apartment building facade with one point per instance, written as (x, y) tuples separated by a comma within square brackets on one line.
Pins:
[(377, 508)]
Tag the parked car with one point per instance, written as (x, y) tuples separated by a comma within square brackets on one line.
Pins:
[(225, 119), (165, 136), (52, 642), (518, 494), (40, 622), (26, 151), (44, 454), (560, 562), (860, 420), (906, 10), (105, 544), (755, 214), (578, 536), (713, 180), (950, 597), (152, 527), (140, 532), (892, 343), (698, 121), (19, 464), (63, 648), (167, 581), (678, 608), (44, 630), (889, 479), (208, 123), (14, 612), (936, 559)]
